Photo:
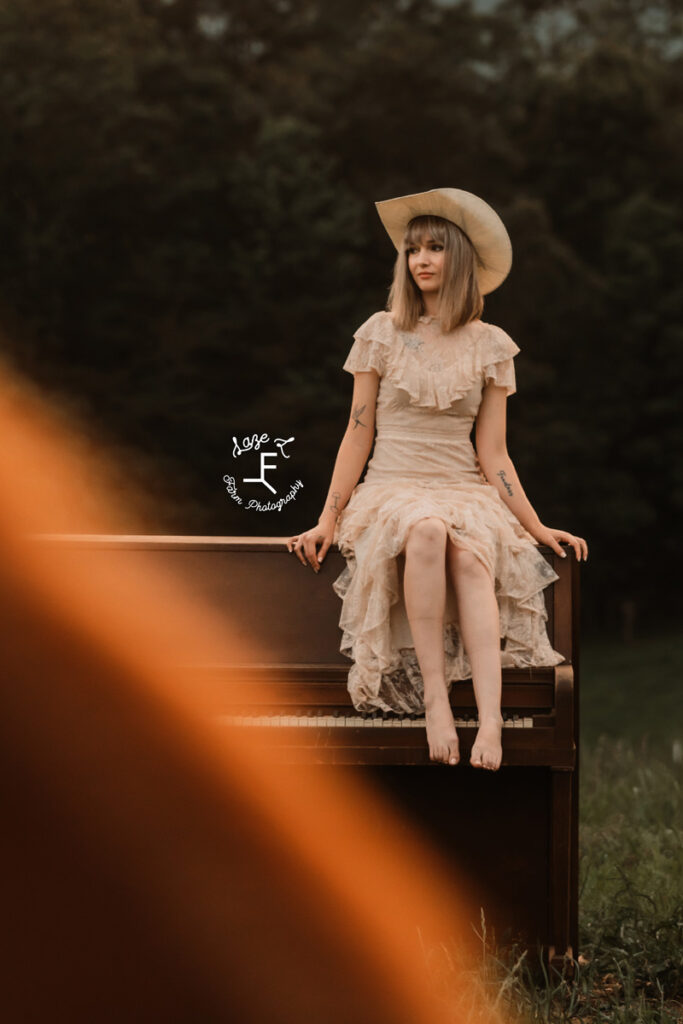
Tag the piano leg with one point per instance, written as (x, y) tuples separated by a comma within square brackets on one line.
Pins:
[(561, 949)]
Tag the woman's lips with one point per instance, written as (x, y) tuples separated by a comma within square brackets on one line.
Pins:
[(426, 274)]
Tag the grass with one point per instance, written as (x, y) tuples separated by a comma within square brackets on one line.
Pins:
[(630, 967), (633, 691)]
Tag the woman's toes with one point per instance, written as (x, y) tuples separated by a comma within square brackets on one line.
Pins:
[(491, 763)]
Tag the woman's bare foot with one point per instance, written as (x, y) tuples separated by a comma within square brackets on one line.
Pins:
[(487, 751), (441, 734)]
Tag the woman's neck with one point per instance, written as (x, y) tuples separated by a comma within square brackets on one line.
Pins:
[(431, 308)]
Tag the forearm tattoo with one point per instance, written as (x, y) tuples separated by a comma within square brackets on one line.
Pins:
[(506, 485), (336, 495), (357, 412)]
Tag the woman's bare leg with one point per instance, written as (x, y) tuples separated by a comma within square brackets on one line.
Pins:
[(424, 585), (480, 630)]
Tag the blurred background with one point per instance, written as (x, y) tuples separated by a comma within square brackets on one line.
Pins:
[(190, 240)]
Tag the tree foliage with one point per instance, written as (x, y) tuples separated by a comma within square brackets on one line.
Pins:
[(190, 236)]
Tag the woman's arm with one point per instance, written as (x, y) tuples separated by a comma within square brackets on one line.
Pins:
[(355, 445), (494, 459), (352, 456), (500, 472)]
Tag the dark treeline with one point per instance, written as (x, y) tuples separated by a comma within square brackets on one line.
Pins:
[(190, 239)]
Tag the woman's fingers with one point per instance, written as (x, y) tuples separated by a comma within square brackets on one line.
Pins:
[(309, 548), (579, 545), (304, 547), (294, 545)]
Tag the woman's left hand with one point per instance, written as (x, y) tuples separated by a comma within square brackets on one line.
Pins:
[(546, 535)]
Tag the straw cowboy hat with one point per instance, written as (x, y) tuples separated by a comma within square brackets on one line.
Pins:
[(477, 219)]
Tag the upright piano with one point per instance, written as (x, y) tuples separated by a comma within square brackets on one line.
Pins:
[(513, 833)]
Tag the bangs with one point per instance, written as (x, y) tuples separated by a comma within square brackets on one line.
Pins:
[(426, 224)]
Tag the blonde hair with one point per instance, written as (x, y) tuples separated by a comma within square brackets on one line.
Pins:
[(460, 299)]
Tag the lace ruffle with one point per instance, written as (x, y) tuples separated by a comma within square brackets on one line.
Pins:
[(483, 352)]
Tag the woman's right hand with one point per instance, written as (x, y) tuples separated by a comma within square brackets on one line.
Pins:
[(304, 544)]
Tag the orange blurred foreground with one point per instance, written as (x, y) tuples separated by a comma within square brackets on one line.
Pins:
[(155, 867)]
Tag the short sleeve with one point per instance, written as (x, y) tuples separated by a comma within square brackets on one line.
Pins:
[(498, 359), (368, 349)]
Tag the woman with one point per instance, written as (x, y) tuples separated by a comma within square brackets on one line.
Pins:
[(441, 543)]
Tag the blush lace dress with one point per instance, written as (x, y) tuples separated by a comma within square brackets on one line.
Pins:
[(424, 464)]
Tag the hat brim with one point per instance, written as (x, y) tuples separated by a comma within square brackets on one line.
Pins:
[(476, 218)]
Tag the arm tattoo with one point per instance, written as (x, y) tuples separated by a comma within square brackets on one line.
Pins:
[(356, 415), (506, 485), (335, 503)]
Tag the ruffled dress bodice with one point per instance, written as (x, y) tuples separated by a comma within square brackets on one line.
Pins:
[(433, 368), (431, 386)]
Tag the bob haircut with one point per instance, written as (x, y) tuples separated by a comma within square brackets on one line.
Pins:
[(460, 299)]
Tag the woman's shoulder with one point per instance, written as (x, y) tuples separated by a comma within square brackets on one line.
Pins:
[(497, 342), (380, 321), (372, 344)]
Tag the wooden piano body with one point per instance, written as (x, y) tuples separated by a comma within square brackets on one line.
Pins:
[(513, 833)]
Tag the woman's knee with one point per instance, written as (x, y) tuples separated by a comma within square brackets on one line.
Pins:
[(427, 534)]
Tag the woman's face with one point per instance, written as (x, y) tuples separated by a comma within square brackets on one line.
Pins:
[(425, 263)]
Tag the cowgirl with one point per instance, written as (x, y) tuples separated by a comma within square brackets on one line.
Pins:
[(443, 576)]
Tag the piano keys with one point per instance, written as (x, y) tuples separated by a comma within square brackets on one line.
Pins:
[(313, 720)]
